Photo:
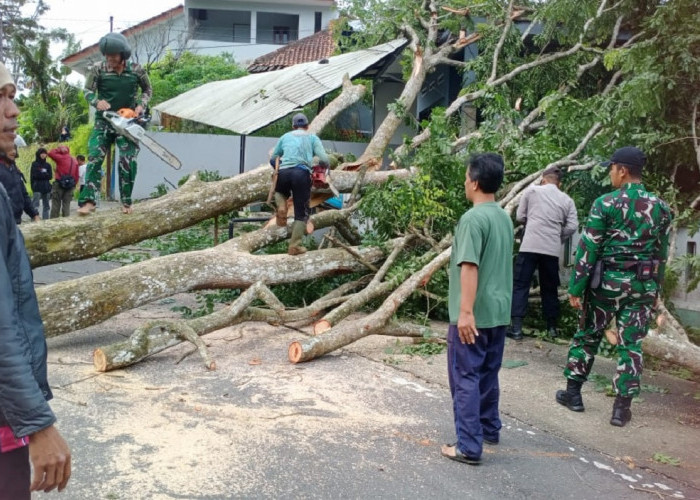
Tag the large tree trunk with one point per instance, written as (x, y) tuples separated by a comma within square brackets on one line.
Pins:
[(76, 304), (76, 238)]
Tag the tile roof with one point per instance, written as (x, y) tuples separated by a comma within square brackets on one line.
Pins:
[(312, 48)]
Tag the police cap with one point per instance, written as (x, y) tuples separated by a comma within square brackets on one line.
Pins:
[(628, 156)]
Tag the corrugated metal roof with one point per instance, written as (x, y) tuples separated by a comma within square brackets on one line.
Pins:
[(247, 104)]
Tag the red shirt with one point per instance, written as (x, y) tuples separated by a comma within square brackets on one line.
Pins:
[(65, 163)]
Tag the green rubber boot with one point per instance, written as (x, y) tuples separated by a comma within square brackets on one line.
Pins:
[(280, 209), (298, 230)]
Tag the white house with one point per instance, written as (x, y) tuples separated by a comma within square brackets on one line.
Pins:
[(252, 28), (246, 28)]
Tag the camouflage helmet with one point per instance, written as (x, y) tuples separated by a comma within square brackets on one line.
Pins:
[(115, 43)]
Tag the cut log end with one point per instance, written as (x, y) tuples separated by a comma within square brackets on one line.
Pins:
[(295, 352), (321, 326), (611, 336), (99, 360)]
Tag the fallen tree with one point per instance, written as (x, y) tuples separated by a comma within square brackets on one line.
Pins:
[(539, 108)]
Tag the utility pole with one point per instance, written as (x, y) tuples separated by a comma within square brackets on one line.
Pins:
[(111, 23)]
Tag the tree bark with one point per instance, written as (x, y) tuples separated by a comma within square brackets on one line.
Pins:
[(75, 238), (76, 304), (349, 96), (347, 333), (145, 341), (670, 348)]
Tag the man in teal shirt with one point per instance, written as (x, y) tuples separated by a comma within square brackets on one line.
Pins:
[(479, 301), (295, 152)]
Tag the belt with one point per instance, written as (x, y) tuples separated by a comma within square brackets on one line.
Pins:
[(624, 265)]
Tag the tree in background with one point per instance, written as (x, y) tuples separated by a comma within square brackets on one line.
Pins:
[(25, 46), (173, 75)]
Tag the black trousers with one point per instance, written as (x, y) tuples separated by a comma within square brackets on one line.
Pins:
[(15, 474), (548, 267), (296, 181)]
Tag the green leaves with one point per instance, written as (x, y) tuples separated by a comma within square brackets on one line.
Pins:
[(662, 458), (173, 76)]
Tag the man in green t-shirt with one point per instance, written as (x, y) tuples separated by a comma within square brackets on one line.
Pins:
[(479, 301)]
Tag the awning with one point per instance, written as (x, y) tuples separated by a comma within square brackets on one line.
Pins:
[(247, 104)]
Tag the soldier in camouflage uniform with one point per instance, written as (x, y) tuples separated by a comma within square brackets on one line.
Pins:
[(112, 85), (623, 246)]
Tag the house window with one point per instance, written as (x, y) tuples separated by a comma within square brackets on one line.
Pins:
[(691, 249), (280, 34), (318, 18), (241, 33), (220, 25), (568, 253), (276, 28)]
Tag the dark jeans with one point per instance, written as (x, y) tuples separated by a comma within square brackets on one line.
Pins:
[(548, 267), (472, 370), (296, 181), (44, 197), (14, 474)]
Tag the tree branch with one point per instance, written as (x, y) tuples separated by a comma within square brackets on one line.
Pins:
[(501, 41), (696, 141), (512, 198), (300, 351)]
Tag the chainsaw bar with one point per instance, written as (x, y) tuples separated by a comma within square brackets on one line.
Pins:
[(129, 128), (161, 152)]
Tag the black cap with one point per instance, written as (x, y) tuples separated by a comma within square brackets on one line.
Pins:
[(300, 120), (628, 156), (552, 171)]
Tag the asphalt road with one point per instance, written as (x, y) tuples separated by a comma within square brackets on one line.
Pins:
[(364, 422)]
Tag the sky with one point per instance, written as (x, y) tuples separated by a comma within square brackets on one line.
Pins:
[(88, 20)]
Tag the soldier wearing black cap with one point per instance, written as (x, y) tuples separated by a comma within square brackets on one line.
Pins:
[(295, 152), (619, 269), (550, 217)]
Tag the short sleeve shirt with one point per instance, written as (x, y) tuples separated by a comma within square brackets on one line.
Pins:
[(484, 236)]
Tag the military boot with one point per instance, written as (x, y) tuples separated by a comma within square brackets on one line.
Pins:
[(515, 330), (621, 411), (298, 230), (280, 209), (571, 397), (552, 331)]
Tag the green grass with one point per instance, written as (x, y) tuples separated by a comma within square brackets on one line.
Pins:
[(662, 458)]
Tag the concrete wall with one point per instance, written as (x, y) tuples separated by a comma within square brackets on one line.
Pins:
[(687, 304), (208, 152)]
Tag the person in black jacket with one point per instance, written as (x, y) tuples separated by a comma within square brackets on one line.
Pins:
[(25, 414), (40, 177), (13, 181)]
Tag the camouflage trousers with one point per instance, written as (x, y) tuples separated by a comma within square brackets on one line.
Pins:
[(629, 302), (101, 139)]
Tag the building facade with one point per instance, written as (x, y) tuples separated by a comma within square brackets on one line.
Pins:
[(252, 28)]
